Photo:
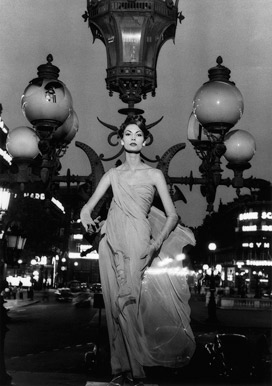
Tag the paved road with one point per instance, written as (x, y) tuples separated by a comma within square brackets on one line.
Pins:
[(251, 323)]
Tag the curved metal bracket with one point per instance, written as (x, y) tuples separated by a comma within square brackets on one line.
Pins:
[(165, 160), (95, 162), (113, 157)]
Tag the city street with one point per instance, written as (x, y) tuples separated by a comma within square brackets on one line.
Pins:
[(50, 338)]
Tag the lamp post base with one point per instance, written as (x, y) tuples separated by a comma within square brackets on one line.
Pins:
[(212, 307), (5, 378)]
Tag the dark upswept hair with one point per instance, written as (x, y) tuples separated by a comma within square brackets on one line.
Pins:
[(138, 120)]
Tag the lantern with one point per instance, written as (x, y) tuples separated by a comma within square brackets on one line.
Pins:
[(133, 33)]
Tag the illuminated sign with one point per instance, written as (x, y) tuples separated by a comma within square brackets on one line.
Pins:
[(255, 216), (259, 262), (249, 228), (36, 196), (267, 228), (258, 245), (41, 196), (267, 215), (248, 216), (254, 228)]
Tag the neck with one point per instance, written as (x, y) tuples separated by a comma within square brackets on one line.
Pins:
[(133, 160)]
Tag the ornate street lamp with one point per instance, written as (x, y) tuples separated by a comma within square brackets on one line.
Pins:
[(217, 106), (35, 151), (133, 32)]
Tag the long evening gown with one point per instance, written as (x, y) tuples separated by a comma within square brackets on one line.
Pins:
[(148, 318)]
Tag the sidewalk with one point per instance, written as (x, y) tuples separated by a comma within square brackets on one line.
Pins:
[(25, 301), (228, 321)]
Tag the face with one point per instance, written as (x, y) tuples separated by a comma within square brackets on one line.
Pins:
[(133, 138)]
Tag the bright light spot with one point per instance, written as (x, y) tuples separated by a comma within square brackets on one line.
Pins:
[(165, 261), (58, 204), (212, 246), (15, 280), (180, 257), (174, 271), (78, 237), (90, 256)]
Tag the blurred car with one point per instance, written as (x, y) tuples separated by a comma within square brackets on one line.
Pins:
[(84, 286), (75, 286), (96, 287), (83, 300), (64, 295)]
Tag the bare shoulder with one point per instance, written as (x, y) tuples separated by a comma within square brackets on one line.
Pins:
[(155, 174)]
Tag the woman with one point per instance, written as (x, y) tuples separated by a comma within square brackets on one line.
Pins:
[(146, 306)]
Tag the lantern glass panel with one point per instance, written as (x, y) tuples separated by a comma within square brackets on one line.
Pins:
[(131, 35), (11, 241)]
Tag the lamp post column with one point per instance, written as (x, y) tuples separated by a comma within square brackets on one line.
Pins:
[(212, 304), (5, 378)]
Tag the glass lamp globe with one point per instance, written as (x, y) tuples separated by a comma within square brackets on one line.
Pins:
[(195, 131), (22, 142), (240, 147), (218, 105), (67, 131), (46, 102)]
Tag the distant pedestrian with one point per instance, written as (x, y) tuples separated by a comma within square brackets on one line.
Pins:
[(31, 293), (7, 292), (14, 291), (21, 293)]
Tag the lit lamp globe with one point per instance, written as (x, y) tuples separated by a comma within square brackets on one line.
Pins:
[(218, 104), (22, 143), (195, 131), (240, 147), (46, 101), (67, 131)]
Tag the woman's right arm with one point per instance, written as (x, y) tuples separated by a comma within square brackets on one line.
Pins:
[(85, 214)]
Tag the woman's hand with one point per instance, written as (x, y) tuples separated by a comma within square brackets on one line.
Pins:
[(85, 218), (151, 254), (91, 226), (95, 225)]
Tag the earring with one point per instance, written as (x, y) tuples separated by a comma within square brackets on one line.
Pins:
[(144, 144)]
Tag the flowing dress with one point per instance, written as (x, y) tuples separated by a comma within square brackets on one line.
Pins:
[(148, 318)]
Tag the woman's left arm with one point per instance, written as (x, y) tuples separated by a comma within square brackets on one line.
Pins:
[(171, 214)]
